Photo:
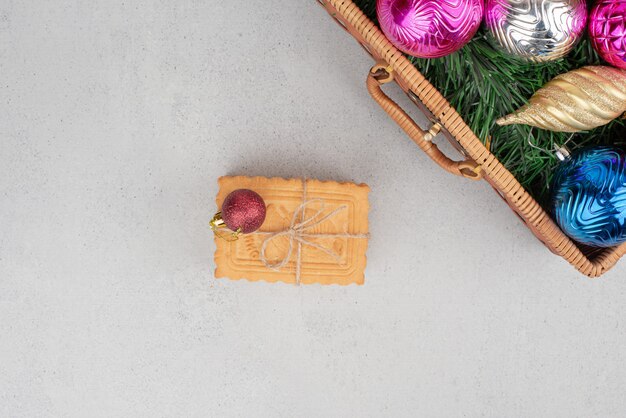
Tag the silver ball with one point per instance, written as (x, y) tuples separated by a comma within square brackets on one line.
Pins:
[(535, 30)]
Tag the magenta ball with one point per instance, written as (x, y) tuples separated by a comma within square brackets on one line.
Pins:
[(429, 28), (607, 29), (243, 210)]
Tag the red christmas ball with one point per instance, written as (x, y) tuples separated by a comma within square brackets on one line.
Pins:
[(243, 210)]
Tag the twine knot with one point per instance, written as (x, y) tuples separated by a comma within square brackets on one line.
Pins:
[(299, 234)]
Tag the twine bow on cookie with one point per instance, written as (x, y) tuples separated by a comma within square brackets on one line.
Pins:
[(299, 234)]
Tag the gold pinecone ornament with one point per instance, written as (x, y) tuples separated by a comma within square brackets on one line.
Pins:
[(576, 101)]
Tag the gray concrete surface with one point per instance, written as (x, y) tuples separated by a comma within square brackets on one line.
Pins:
[(116, 118)]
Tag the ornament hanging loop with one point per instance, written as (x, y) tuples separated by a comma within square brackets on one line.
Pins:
[(530, 142), (561, 151)]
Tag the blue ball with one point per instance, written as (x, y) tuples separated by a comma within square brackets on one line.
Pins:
[(589, 196)]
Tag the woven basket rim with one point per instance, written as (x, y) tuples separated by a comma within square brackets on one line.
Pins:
[(592, 263)]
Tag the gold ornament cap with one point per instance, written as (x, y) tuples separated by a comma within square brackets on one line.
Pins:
[(219, 228)]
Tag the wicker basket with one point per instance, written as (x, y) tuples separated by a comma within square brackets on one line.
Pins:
[(478, 163)]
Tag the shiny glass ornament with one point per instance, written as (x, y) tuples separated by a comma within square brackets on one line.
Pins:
[(429, 28), (589, 196), (535, 30), (607, 30)]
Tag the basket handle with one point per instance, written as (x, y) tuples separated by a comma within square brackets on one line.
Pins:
[(381, 74)]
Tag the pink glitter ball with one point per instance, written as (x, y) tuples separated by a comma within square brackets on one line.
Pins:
[(429, 28), (607, 29)]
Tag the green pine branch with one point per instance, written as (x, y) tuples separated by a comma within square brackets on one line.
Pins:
[(484, 84)]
